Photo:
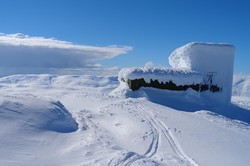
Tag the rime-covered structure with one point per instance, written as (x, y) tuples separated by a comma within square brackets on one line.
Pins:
[(207, 68), (214, 61), (161, 78)]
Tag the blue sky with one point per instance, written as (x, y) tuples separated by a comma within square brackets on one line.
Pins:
[(154, 28)]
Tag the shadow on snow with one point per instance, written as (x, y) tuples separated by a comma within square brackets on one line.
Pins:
[(188, 102)]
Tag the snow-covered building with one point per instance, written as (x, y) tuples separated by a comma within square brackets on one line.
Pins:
[(204, 67), (161, 78), (214, 61)]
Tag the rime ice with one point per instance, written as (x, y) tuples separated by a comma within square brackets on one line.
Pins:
[(162, 74), (206, 65), (213, 61)]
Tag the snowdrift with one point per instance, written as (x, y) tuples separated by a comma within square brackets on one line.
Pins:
[(28, 111)]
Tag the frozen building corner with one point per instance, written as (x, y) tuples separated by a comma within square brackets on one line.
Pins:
[(214, 61)]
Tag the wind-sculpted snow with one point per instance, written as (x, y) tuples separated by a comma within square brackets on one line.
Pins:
[(196, 54), (28, 111), (91, 120)]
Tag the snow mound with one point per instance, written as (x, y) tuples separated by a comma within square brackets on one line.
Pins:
[(178, 76), (28, 111)]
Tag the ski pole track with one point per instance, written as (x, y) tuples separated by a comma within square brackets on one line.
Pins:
[(168, 135)]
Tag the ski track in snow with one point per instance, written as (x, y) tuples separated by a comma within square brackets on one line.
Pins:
[(158, 128), (161, 127)]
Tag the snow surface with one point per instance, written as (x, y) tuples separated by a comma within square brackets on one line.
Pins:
[(32, 112), (93, 120), (162, 74), (214, 59)]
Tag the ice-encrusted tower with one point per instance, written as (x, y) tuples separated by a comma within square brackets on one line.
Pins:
[(214, 61)]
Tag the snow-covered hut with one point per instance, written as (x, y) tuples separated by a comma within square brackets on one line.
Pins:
[(204, 67)]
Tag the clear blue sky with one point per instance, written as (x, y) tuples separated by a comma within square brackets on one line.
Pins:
[(153, 27)]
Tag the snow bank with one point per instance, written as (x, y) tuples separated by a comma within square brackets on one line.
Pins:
[(177, 76), (28, 111)]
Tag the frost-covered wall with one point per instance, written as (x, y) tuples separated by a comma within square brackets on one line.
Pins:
[(213, 61)]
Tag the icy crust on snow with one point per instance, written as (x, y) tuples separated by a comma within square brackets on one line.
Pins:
[(177, 76)]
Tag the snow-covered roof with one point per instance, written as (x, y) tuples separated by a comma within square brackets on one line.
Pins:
[(162, 74)]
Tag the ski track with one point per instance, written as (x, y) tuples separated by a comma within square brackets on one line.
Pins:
[(157, 127), (176, 147), (159, 131)]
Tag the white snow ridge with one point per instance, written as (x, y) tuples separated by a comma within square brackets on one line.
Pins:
[(86, 120)]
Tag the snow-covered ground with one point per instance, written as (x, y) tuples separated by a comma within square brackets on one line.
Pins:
[(91, 120)]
